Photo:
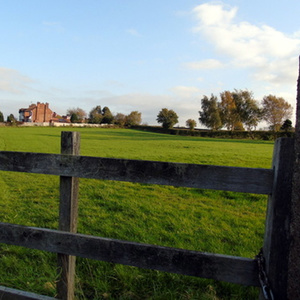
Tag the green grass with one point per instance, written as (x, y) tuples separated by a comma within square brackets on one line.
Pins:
[(203, 220)]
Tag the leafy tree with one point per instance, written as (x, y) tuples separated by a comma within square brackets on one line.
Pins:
[(134, 118), (191, 124), (287, 125), (275, 110), (248, 112), (228, 110), (167, 117), (74, 118), (95, 115), (1, 117), (120, 119), (236, 110), (80, 113), (11, 119), (210, 113), (108, 117), (238, 126)]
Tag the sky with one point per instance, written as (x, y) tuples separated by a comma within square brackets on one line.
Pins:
[(143, 55)]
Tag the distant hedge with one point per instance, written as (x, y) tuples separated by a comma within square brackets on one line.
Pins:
[(256, 135)]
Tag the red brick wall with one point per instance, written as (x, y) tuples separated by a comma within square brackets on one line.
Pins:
[(41, 113)]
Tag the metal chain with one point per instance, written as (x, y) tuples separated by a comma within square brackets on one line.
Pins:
[(263, 278)]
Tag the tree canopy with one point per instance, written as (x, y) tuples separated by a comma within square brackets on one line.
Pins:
[(1, 117), (101, 116), (107, 116), (235, 110), (247, 109), (287, 125), (74, 118), (95, 115), (79, 112), (134, 118), (210, 113), (191, 124), (120, 119), (167, 117), (228, 110), (11, 119), (275, 111)]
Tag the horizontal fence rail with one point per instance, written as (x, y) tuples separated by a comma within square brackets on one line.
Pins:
[(236, 179), (232, 269), (13, 294)]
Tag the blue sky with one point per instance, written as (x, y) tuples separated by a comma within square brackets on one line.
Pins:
[(145, 55)]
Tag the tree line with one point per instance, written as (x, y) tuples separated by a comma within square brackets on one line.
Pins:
[(95, 116), (237, 110), (10, 118), (103, 115)]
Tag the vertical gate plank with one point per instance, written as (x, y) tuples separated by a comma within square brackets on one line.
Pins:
[(277, 233), (294, 257), (68, 215)]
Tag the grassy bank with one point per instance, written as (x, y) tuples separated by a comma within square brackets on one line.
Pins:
[(219, 222)]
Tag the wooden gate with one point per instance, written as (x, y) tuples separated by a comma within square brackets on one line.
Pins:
[(276, 182)]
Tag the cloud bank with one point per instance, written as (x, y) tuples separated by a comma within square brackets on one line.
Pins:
[(12, 81), (271, 55)]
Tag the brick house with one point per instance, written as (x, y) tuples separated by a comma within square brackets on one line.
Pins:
[(39, 112)]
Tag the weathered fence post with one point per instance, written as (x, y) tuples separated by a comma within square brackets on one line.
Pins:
[(294, 255), (282, 239), (68, 214), (277, 236)]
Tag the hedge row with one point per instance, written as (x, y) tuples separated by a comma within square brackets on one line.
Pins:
[(256, 135)]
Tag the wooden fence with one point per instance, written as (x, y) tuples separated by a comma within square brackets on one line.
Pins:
[(69, 165)]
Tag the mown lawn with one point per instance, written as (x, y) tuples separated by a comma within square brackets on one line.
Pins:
[(203, 220)]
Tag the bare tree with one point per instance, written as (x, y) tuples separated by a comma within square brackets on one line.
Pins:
[(79, 112)]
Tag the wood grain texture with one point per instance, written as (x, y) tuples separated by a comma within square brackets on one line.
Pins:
[(294, 257), (214, 266), (248, 180), (68, 218), (277, 239)]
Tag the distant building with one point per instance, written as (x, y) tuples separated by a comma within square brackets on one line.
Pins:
[(37, 113), (60, 119)]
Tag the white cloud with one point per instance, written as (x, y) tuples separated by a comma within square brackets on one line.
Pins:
[(185, 91), (269, 53), (206, 64), (212, 14), (12, 81), (278, 72)]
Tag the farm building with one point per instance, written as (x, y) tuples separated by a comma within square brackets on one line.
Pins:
[(39, 112)]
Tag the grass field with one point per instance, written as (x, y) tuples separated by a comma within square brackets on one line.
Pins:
[(203, 220)]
